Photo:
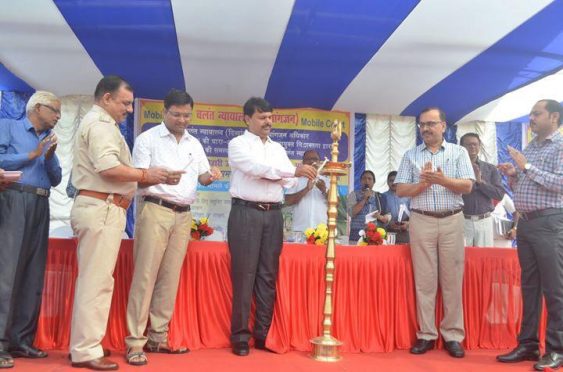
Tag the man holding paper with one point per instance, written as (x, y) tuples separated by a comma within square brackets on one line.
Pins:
[(434, 175), (399, 210), (27, 149), (163, 226)]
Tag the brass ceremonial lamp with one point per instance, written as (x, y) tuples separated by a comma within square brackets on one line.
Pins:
[(325, 347)]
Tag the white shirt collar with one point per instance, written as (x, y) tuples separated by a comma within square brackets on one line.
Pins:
[(164, 132)]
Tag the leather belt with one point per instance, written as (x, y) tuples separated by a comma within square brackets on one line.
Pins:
[(261, 206), (541, 213), (117, 199), (438, 214), (30, 189), (164, 203), (477, 217)]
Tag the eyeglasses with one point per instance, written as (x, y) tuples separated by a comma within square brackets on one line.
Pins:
[(54, 110), (177, 115), (428, 124)]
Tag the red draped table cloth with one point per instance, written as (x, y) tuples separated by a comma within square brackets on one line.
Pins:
[(374, 300)]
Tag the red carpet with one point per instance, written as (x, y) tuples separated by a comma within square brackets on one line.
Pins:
[(215, 360)]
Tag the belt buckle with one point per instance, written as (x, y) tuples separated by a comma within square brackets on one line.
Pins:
[(42, 192), (264, 207)]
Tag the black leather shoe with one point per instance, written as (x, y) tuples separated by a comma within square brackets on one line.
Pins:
[(519, 354), (422, 346), (549, 360), (26, 351), (261, 345), (241, 348), (455, 349)]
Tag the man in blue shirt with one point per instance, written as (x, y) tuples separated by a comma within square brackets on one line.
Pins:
[(393, 203), (27, 145)]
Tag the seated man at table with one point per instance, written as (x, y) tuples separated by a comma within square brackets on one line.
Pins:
[(394, 203), (309, 198), (163, 227), (364, 201)]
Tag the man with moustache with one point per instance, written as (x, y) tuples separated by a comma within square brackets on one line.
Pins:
[(309, 198), (260, 169), (106, 182), (163, 225), (27, 145), (434, 175), (478, 204), (537, 182)]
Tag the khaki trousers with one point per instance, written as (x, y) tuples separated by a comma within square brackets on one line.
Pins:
[(161, 239), (99, 226), (438, 255)]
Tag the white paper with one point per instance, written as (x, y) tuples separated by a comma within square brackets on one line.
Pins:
[(371, 216), (403, 210)]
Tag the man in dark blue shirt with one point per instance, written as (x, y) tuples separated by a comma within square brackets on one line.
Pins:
[(27, 145)]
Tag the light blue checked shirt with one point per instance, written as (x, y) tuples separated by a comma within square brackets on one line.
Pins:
[(455, 163)]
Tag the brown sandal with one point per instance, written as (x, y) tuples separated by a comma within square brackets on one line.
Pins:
[(162, 347)]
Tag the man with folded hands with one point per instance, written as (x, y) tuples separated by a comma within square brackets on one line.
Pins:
[(27, 145), (106, 181), (434, 175), (163, 226), (260, 169)]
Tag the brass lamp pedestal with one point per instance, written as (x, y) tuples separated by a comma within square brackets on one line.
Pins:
[(325, 347)]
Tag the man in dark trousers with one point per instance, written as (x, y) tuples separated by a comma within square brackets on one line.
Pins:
[(537, 181), (260, 169), (27, 145)]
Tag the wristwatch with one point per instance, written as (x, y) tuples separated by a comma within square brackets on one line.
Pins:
[(527, 167)]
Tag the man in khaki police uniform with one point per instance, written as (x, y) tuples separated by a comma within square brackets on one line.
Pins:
[(106, 182), (164, 225)]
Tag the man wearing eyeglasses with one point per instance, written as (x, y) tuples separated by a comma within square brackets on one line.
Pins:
[(27, 145), (164, 225), (434, 175)]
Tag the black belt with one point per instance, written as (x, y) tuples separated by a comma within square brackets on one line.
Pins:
[(30, 189), (261, 206), (477, 217), (438, 214), (541, 213), (164, 203)]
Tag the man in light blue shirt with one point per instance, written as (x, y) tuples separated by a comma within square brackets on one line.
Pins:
[(434, 175), (393, 203), (27, 145)]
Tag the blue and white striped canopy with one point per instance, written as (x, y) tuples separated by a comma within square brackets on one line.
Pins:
[(478, 59)]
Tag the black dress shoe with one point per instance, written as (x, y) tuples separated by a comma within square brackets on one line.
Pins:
[(455, 349), (26, 351), (519, 354), (261, 345), (422, 346), (241, 348), (549, 360)]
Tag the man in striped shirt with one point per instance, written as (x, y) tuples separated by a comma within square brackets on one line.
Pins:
[(537, 181), (434, 175)]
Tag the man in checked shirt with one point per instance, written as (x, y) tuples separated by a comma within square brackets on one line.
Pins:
[(537, 181), (434, 175)]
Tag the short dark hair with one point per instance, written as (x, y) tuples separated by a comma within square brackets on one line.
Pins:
[(311, 152), (368, 172), (110, 84), (467, 135), (177, 97), (391, 174), (442, 113), (256, 104), (552, 106)]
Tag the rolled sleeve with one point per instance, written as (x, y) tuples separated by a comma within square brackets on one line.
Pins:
[(103, 148)]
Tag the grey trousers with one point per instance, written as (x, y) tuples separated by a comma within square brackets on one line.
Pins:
[(540, 252), (24, 230), (255, 242)]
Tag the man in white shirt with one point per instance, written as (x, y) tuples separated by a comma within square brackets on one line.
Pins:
[(309, 198), (260, 169), (163, 225)]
